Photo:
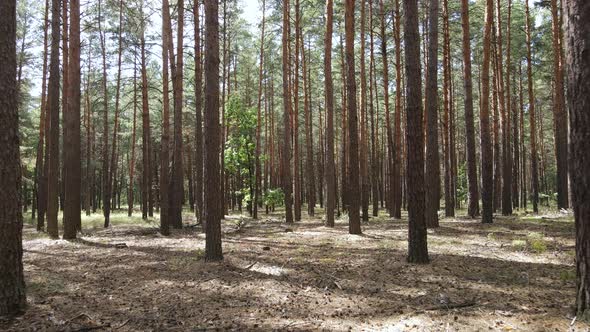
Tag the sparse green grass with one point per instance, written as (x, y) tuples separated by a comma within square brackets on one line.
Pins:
[(519, 244), (567, 275)]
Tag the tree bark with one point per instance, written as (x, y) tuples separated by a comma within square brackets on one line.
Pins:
[(199, 117), (53, 139), (330, 166), (559, 113), (473, 197), (487, 157), (212, 174), (286, 150), (432, 175), (532, 124), (577, 39), (417, 245), (12, 297)]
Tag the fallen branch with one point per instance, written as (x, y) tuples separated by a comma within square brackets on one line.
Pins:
[(452, 306)]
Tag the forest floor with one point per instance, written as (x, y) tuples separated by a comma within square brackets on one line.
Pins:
[(514, 274)]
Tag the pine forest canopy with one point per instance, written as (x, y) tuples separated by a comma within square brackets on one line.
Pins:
[(215, 115)]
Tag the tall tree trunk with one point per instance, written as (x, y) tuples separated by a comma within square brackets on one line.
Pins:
[(390, 148), (523, 185), (364, 173), (417, 245), (295, 117), (487, 190), (432, 175), (258, 172), (354, 222), (13, 299), (72, 151), (165, 139), (397, 143), (114, 156), (213, 209), (146, 136), (330, 166), (577, 38), (559, 113), (176, 177), (130, 192), (473, 204), (374, 134), (509, 183), (89, 146), (106, 183), (309, 164), (199, 117), (40, 164), (532, 125), (448, 119), (53, 139), (286, 151)]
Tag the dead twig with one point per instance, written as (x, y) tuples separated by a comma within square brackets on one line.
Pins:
[(451, 306)]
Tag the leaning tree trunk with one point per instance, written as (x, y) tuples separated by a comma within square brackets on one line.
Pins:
[(12, 297)]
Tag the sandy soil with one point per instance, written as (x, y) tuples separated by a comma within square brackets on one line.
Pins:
[(516, 274)]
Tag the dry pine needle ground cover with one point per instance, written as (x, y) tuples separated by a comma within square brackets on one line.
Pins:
[(516, 274)]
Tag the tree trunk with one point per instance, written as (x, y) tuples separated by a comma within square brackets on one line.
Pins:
[(390, 148), (53, 139), (432, 175), (309, 164), (487, 190), (212, 174), (295, 117), (374, 134), (559, 113), (330, 166), (72, 151), (448, 119), (258, 172), (165, 139), (577, 38), (286, 151), (145, 116), (130, 192), (417, 245), (12, 299), (199, 118), (397, 143), (473, 204), (354, 222), (532, 125)]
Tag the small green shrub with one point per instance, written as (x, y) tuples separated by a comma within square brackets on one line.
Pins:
[(519, 244)]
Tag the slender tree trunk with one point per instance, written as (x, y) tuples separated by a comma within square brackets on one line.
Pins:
[(473, 204), (448, 119), (145, 116), (354, 222), (212, 174), (309, 164), (199, 117), (53, 109), (364, 173), (486, 144), (417, 245), (258, 172), (40, 164), (286, 151), (532, 125), (509, 187), (577, 38), (295, 119), (523, 185), (13, 298), (390, 147), (432, 175), (165, 139), (330, 166), (130, 192), (89, 147), (374, 134), (559, 113), (106, 183), (397, 143)]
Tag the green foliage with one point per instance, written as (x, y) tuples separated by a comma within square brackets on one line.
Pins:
[(274, 197)]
